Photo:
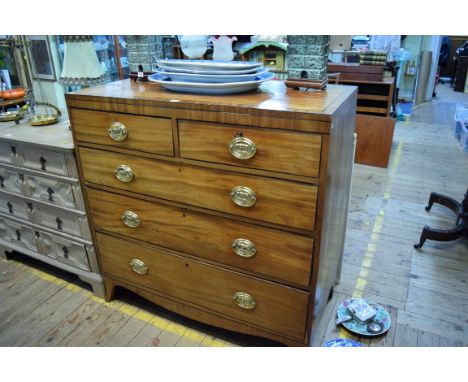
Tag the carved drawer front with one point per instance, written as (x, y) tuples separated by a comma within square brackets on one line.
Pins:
[(18, 234), (273, 253), (53, 191), (148, 134), (10, 180), (13, 205), (254, 301), (42, 159), (64, 250), (7, 153), (59, 219), (265, 149), (287, 203)]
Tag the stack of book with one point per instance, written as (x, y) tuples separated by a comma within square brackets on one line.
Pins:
[(373, 58)]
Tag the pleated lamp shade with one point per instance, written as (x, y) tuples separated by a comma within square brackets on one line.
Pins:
[(80, 63)]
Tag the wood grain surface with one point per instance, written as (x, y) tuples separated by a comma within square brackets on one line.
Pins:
[(280, 151), (281, 255), (282, 202), (278, 308)]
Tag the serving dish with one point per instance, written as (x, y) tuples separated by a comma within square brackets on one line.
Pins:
[(212, 78), (205, 71), (209, 64)]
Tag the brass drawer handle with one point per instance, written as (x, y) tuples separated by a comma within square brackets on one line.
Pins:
[(117, 131), (242, 148), (138, 266), (243, 196), (124, 173), (244, 248), (130, 219), (244, 300)]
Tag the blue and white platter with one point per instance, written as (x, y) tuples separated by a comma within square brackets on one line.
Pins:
[(212, 78), (208, 64), (205, 71), (209, 88)]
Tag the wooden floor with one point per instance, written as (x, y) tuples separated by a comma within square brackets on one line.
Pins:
[(425, 291)]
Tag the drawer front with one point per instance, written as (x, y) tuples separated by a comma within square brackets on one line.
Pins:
[(277, 307), (18, 234), (13, 205), (53, 191), (10, 181), (59, 219), (270, 252), (148, 134), (38, 158), (63, 250), (272, 150), (7, 153), (288, 203)]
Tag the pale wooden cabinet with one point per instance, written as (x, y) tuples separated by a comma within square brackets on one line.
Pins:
[(230, 210)]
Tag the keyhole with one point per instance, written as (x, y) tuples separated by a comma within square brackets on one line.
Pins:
[(65, 252), (30, 206), (239, 134), (10, 207), (43, 162), (18, 235), (2, 179), (13, 149), (50, 192), (59, 223)]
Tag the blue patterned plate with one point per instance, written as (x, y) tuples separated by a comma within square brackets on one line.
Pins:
[(211, 78), (382, 317), (342, 343), (208, 64)]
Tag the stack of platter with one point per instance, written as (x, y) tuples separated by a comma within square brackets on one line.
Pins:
[(210, 76)]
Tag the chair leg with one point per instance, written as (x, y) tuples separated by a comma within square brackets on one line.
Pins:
[(443, 200), (429, 233)]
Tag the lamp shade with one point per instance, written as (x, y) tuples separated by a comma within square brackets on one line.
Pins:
[(80, 64)]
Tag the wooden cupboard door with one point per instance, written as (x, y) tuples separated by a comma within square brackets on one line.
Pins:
[(147, 134), (268, 305), (287, 203), (270, 252), (265, 149)]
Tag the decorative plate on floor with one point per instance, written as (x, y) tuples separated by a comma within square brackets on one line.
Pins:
[(342, 343), (209, 64), (382, 317), (211, 89)]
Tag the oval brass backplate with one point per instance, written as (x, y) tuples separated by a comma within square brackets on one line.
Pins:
[(244, 300), (243, 196), (124, 173), (130, 219), (117, 131), (138, 266), (242, 148), (243, 248)]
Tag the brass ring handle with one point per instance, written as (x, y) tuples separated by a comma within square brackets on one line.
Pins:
[(130, 219), (138, 266), (242, 148), (243, 248), (244, 300), (243, 196), (124, 173), (117, 131)]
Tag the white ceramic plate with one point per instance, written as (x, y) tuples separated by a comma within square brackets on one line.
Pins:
[(209, 64), (209, 88), (212, 78), (204, 71)]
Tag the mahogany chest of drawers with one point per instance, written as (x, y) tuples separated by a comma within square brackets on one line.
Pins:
[(230, 210)]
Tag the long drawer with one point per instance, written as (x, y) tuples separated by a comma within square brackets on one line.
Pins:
[(148, 134), (266, 149), (271, 252), (248, 299), (287, 203)]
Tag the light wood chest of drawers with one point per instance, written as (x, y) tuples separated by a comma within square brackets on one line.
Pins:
[(230, 210)]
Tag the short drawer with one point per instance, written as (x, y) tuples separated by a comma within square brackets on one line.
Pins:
[(63, 250), (246, 246), (43, 159), (18, 234), (277, 201), (10, 180), (7, 153), (13, 205), (53, 191), (148, 134), (248, 299), (257, 148)]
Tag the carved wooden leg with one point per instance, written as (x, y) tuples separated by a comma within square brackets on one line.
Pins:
[(445, 201), (429, 233), (110, 289)]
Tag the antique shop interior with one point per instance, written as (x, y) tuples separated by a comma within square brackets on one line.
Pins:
[(234, 190)]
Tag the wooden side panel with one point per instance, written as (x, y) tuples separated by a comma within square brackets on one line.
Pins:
[(281, 202), (282, 255), (278, 308), (147, 134), (374, 139), (280, 151)]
